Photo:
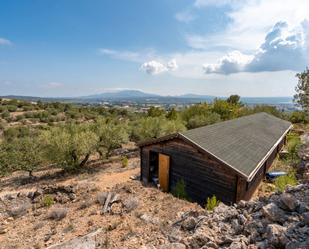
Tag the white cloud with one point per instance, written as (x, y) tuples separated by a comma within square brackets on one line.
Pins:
[(231, 63), (244, 32), (52, 85), (283, 49), (5, 41), (185, 16), (172, 65), (154, 67)]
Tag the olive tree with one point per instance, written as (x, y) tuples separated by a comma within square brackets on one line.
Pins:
[(154, 127), (20, 154), (26, 154), (111, 136), (5, 166), (70, 146)]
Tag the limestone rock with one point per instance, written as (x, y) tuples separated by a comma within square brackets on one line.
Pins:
[(274, 213), (289, 201), (85, 242)]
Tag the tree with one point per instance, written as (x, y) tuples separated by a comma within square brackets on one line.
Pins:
[(70, 146), (203, 119), (172, 114), (111, 136), (224, 109), (26, 154), (197, 109), (5, 166), (299, 117), (154, 127), (302, 90), (233, 99), (155, 112)]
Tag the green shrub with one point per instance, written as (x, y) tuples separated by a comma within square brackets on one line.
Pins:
[(180, 190), (48, 200), (20, 117), (293, 141), (124, 161), (299, 117), (212, 203), (5, 114), (283, 181)]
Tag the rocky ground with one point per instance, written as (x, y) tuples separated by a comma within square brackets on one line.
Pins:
[(109, 208)]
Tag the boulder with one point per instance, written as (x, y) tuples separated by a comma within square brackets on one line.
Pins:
[(274, 213), (197, 240), (276, 235), (288, 201), (189, 223), (306, 218), (88, 241)]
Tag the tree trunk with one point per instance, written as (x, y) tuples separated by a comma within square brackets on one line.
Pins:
[(82, 164)]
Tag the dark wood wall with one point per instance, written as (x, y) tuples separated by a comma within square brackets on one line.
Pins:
[(202, 175)]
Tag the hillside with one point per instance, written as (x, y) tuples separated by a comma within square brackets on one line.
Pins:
[(105, 206)]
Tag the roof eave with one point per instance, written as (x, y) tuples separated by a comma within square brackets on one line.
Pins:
[(157, 140)]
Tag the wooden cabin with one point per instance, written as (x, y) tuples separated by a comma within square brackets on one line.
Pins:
[(227, 159)]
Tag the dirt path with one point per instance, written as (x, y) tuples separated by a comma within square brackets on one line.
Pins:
[(108, 180), (102, 180)]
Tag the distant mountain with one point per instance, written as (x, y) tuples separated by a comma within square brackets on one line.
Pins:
[(150, 98), (196, 96), (121, 94)]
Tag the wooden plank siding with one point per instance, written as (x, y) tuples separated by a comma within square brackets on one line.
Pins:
[(202, 175)]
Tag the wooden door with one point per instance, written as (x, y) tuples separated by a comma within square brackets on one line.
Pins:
[(164, 170)]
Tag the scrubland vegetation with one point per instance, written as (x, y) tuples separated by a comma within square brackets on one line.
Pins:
[(38, 134)]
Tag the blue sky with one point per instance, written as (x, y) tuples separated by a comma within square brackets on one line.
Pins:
[(170, 47)]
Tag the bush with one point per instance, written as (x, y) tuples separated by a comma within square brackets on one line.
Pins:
[(19, 210), (212, 203), (5, 114), (154, 127), (202, 120), (20, 117), (180, 190), (48, 200), (293, 141), (12, 108), (57, 213), (283, 181), (299, 117), (124, 161)]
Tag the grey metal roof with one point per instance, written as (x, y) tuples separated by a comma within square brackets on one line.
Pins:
[(243, 143)]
